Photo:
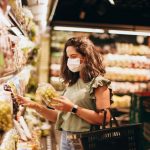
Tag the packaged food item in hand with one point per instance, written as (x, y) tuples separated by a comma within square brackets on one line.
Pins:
[(46, 92)]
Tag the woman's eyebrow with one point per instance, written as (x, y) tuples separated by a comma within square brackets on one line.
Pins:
[(72, 55)]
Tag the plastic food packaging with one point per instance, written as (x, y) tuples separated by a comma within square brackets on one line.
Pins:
[(26, 146), (5, 111), (25, 127), (9, 140), (20, 131), (46, 92)]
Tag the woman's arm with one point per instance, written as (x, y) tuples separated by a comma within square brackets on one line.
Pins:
[(49, 114), (102, 95)]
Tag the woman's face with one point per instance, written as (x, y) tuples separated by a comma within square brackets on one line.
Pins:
[(72, 53)]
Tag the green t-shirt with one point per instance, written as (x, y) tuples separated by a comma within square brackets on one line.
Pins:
[(81, 94)]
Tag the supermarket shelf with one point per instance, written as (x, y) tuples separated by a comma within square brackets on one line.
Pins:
[(46, 143), (43, 143), (131, 93), (124, 110), (9, 75), (9, 139), (130, 81), (143, 93), (13, 19)]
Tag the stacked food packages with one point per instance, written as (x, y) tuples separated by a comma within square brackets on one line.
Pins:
[(121, 101), (9, 140), (126, 74), (11, 116), (9, 54), (128, 87), (131, 49), (18, 48), (127, 61), (24, 18)]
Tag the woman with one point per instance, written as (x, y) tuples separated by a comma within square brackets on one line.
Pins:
[(87, 92)]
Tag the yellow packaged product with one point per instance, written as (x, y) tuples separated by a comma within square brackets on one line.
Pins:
[(46, 92)]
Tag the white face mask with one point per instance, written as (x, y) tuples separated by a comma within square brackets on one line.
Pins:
[(74, 64)]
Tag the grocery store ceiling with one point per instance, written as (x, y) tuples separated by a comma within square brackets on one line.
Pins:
[(123, 12)]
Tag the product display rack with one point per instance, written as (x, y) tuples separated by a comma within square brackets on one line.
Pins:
[(140, 112), (14, 80)]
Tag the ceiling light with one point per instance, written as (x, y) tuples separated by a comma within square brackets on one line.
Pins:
[(129, 32), (60, 28), (112, 2)]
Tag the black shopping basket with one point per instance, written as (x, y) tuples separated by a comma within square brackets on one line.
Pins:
[(126, 137)]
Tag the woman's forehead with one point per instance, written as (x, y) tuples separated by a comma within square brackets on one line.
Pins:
[(71, 49)]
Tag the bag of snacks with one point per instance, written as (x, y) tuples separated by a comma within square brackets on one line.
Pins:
[(46, 92)]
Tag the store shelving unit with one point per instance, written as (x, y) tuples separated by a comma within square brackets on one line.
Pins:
[(15, 71)]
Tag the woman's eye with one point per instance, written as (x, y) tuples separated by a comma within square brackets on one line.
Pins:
[(73, 57)]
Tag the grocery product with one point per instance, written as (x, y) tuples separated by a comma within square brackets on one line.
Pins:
[(33, 144), (127, 74), (20, 130), (8, 52), (121, 101), (45, 129), (9, 140), (127, 61), (129, 87), (57, 83), (46, 92), (25, 127), (5, 111), (5, 116), (11, 88)]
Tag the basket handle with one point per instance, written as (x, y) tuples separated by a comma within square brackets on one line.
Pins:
[(97, 127), (112, 117)]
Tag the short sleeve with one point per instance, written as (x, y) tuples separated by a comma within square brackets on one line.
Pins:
[(99, 82)]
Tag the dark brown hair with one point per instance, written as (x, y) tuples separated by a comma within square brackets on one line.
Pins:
[(92, 66)]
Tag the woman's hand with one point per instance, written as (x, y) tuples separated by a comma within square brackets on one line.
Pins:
[(49, 114), (64, 104), (25, 102)]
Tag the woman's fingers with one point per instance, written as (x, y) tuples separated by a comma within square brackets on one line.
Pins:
[(22, 100), (58, 107), (59, 100), (62, 97)]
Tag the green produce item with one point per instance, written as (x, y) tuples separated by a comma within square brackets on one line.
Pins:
[(46, 92)]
